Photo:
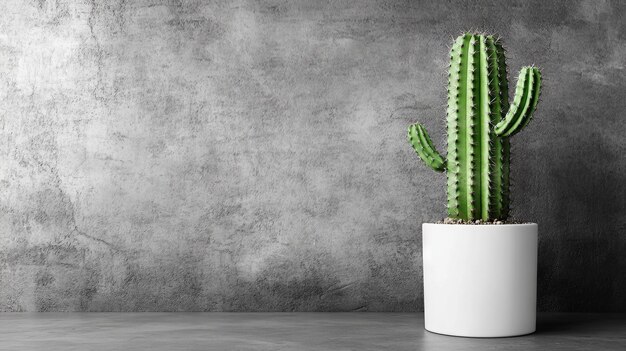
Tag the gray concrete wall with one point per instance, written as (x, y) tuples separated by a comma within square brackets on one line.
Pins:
[(251, 155)]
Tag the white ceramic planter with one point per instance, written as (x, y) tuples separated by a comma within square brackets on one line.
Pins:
[(480, 280)]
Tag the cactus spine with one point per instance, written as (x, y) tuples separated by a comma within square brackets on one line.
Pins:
[(480, 123)]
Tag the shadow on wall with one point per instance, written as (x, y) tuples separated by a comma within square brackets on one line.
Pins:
[(581, 257)]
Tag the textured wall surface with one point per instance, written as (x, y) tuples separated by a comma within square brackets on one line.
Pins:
[(251, 155)]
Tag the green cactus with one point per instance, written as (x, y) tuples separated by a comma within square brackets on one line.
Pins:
[(480, 123)]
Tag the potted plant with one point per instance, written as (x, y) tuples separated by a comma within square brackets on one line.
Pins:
[(480, 271)]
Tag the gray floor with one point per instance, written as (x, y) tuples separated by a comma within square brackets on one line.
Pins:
[(288, 331)]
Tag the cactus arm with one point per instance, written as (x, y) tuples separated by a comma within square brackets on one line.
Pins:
[(520, 103), (432, 151), (535, 100), (526, 97), (423, 146)]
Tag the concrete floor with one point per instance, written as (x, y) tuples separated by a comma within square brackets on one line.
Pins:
[(288, 331)]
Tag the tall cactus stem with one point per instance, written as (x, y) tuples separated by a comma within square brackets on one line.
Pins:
[(480, 123)]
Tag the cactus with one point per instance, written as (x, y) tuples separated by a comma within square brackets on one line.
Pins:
[(480, 123)]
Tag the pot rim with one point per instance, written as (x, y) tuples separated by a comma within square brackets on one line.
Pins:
[(483, 225)]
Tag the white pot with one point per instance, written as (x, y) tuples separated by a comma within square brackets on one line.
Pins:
[(480, 280)]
